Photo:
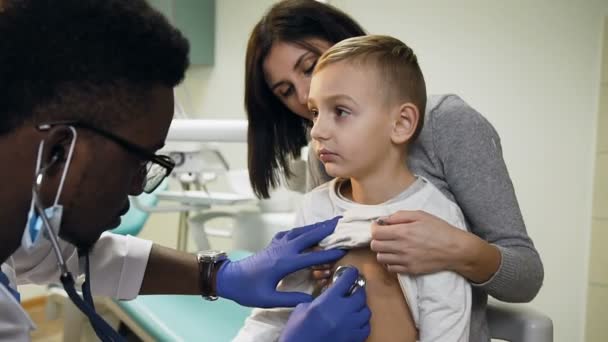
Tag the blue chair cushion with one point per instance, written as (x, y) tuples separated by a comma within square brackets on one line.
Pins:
[(134, 220), (187, 318)]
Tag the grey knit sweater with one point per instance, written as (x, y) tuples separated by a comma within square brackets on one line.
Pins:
[(459, 151)]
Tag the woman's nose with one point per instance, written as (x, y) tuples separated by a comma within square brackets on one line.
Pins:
[(303, 89)]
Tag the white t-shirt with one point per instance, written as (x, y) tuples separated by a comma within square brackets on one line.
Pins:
[(440, 303)]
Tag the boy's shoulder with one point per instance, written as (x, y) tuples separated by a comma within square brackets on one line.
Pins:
[(431, 200), (320, 192), (317, 203)]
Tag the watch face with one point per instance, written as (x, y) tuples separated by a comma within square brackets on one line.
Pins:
[(211, 254)]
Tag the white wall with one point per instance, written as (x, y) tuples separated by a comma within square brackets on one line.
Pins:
[(531, 67), (597, 293)]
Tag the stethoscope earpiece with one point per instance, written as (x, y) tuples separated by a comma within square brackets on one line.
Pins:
[(58, 154)]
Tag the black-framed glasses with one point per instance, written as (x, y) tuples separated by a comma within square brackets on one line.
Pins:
[(156, 167)]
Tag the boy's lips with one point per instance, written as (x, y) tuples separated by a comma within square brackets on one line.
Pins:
[(326, 155)]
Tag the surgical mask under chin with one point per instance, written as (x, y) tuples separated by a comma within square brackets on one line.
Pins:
[(33, 233), (34, 229)]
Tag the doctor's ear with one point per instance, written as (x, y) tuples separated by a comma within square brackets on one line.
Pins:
[(57, 143), (405, 123)]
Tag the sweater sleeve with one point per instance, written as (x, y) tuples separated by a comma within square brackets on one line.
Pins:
[(470, 153)]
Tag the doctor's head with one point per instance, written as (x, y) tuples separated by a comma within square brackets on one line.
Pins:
[(102, 68)]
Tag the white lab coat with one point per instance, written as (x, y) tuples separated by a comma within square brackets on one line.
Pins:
[(117, 269)]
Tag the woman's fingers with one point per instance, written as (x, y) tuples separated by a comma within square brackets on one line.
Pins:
[(395, 263), (402, 216), (389, 258), (398, 269), (387, 246), (386, 232)]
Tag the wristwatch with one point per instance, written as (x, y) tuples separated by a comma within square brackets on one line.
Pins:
[(209, 263)]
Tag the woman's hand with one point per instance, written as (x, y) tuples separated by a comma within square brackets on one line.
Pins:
[(415, 242)]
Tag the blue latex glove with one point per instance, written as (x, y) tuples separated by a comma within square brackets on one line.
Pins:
[(253, 281), (333, 316)]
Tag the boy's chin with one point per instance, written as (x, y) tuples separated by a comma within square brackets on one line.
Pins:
[(334, 172)]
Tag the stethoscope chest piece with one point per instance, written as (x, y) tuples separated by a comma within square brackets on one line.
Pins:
[(359, 283)]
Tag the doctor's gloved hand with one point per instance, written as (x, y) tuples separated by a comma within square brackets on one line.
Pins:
[(333, 316), (253, 281)]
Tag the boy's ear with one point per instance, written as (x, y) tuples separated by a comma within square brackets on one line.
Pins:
[(405, 123)]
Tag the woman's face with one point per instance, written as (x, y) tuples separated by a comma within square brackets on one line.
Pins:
[(288, 68)]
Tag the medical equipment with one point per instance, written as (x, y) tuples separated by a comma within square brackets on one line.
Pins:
[(359, 283), (208, 130)]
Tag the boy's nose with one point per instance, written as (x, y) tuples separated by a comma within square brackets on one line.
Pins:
[(319, 129)]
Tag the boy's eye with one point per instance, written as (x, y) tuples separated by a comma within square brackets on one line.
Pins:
[(341, 112), (314, 113)]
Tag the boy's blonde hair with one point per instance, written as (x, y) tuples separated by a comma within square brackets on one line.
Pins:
[(395, 63)]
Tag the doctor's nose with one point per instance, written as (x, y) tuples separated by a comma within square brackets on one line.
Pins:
[(138, 183)]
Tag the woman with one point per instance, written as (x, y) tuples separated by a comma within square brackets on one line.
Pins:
[(458, 150)]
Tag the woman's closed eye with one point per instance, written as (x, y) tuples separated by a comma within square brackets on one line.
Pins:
[(308, 71), (286, 92)]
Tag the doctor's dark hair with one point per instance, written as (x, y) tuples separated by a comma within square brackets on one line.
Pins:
[(90, 60), (275, 133)]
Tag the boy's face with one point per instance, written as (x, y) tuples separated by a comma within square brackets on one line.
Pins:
[(352, 119)]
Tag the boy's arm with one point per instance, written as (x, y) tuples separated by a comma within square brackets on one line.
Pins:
[(444, 298), (444, 307), (263, 325)]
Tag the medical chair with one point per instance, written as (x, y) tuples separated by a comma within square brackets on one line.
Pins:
[(518, 323)]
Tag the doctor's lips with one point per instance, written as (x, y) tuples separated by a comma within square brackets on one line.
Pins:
[(326, 155)]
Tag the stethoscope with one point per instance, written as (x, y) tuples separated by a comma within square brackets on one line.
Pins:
[(85, 303)]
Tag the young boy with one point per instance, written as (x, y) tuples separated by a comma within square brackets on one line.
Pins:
[(367, 97)]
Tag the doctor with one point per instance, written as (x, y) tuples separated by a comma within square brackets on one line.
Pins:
[(85, 102)]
